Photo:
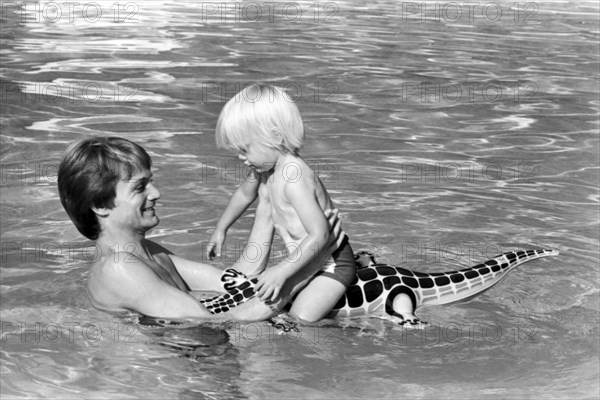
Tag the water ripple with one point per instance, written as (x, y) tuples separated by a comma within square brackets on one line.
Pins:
[(406, 167)]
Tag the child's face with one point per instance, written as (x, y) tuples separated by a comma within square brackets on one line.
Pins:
[(260, 157)]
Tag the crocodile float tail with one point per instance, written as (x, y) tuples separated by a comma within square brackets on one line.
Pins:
[(464, 284)]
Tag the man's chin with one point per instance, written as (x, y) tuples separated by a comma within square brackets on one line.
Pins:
[(154, 223)]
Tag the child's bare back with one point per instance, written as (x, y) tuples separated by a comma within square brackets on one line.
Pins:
[(292, 171)]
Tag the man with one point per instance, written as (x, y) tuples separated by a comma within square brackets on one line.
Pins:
[(106, 187)]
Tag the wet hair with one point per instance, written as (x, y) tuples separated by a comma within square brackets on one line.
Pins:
[(88, 174), (261, 113)]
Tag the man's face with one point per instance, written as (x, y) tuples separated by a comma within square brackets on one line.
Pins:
[(134, 203)]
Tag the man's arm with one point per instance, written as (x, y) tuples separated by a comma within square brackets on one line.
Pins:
[(135, 286), (197, 275)]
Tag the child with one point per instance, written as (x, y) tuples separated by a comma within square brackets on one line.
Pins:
[(263, 125)]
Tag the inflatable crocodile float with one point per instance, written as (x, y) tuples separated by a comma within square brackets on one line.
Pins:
[(392, 292)]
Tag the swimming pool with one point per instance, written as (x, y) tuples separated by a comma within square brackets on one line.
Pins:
[(445, 134)]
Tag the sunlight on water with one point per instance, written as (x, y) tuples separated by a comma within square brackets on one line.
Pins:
[(444, 136)]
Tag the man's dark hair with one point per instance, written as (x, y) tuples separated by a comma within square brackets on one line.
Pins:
[(88, 176)]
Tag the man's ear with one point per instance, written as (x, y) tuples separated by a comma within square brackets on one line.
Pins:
[(100, 211)]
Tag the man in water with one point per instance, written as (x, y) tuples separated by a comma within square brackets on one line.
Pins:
[(106, 187)]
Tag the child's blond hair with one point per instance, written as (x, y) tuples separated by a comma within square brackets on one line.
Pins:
[(262, 113)]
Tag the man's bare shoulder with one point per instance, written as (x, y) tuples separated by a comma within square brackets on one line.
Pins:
[(112, 279), (156, 248)]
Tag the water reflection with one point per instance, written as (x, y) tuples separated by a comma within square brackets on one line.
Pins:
[(426, 134)]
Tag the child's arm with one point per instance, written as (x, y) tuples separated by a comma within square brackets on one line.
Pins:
[(255, 254), (301, 195), (240, 201)]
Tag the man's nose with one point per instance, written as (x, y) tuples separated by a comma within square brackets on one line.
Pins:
[(154, 193)]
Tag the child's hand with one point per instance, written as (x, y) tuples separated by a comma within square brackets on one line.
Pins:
[(269, 284), (215, 244)]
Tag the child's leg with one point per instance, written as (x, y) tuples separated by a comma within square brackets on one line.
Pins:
[(317, 299), (323, 291)]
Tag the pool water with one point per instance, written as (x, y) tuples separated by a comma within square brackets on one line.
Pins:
[(445, 133)]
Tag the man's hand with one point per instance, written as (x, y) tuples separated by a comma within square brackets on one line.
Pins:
[(336, 233)]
